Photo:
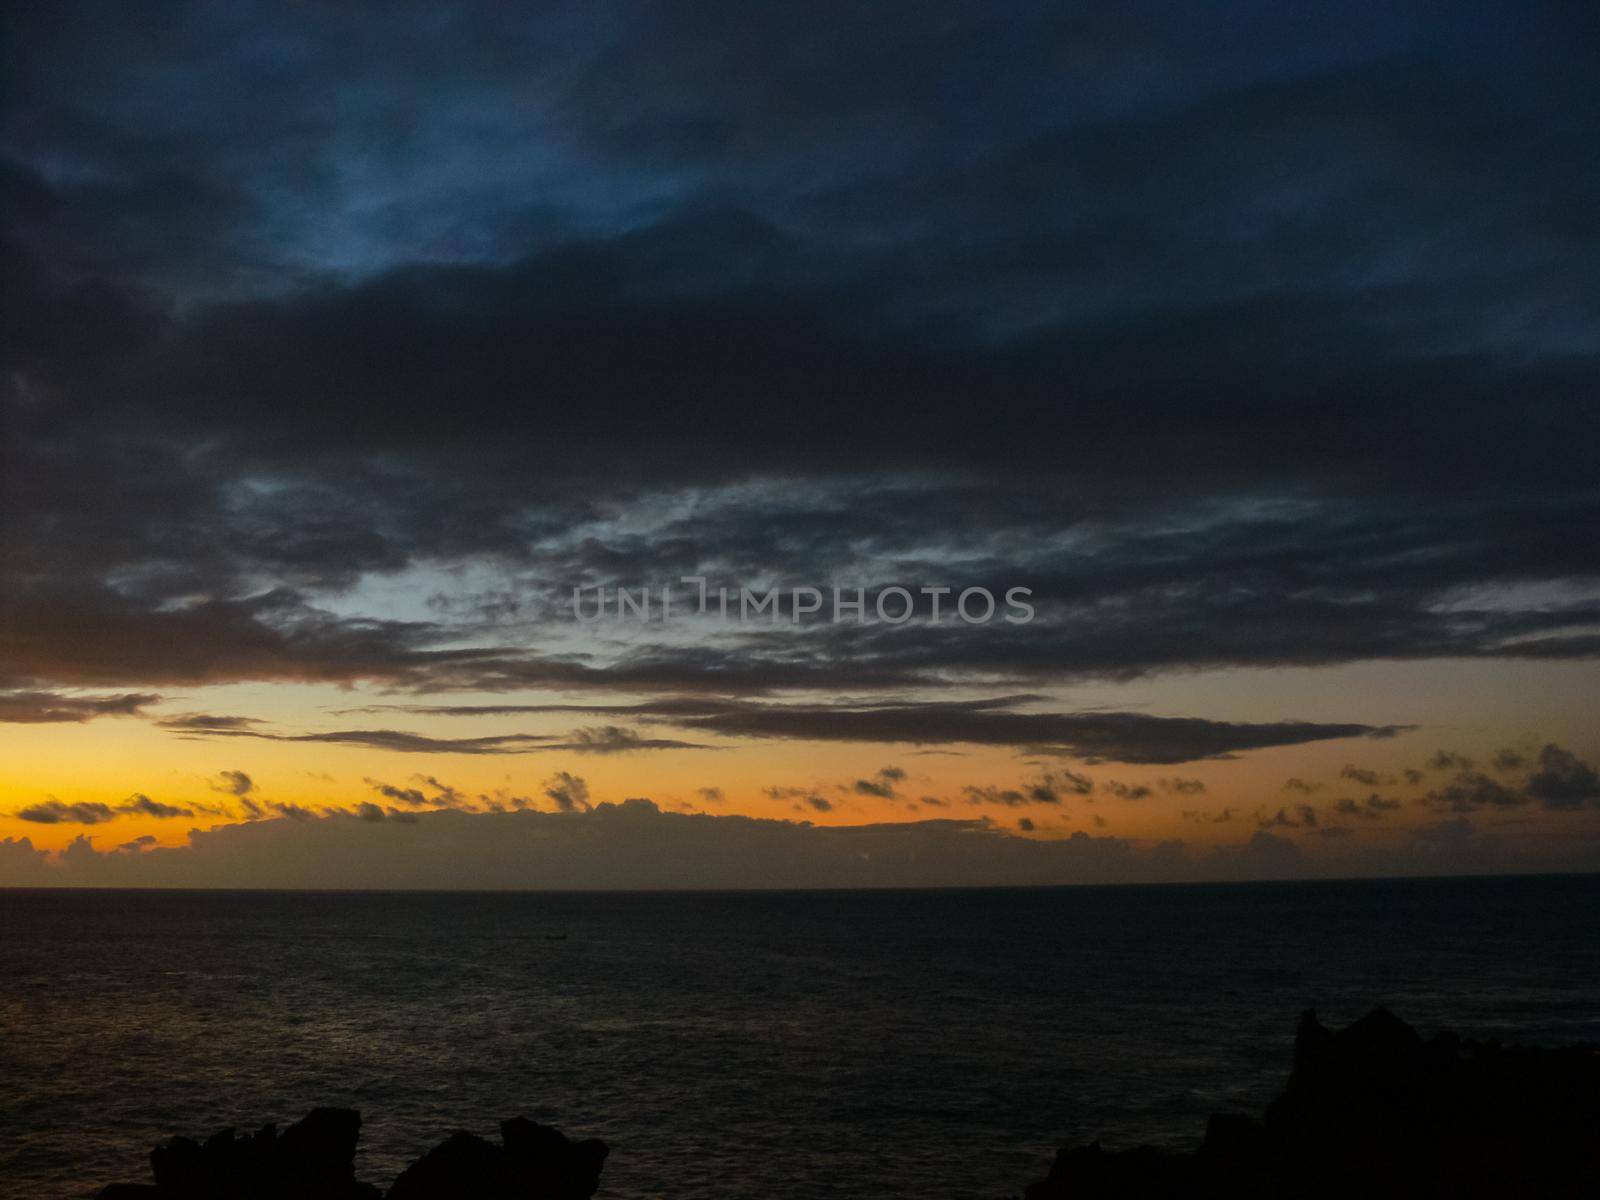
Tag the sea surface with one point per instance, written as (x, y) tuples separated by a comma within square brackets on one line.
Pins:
[(804, 1045)]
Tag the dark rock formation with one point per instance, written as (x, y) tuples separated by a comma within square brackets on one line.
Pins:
[(314, 1159), (1374, 1110), (1370, 1111), (533, 1162)]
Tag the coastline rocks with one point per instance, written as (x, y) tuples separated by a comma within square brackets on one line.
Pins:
[(314, 1158), (1375, 1110), (1371, 1110), (533, 1162)]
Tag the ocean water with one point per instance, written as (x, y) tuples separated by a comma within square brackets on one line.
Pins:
[(805, 1045)]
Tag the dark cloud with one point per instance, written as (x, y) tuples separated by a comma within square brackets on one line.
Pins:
[(1127, 791), (1361, 775), (1473, 790), (1302, 816), (1563, 780), (234, 783), (1558, 780), (1372, 808), (801, 798), (1102, 736), (58, 812), (607, 739), (1106, 736), (615, 739), (206, 723), (989, 794), (78, 632), (777, 792), (442, 794), (1049, 787), (411, 796), (1069, 782), (662, 707), (40, 707), (1508, 760), (1263, 344), (408, 743), (446, 793), (21, 863), (295, 812), (638, 845), (881, 784), (141, 805), (570, 792)]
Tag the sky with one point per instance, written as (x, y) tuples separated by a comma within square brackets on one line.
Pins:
[(1254, 350)]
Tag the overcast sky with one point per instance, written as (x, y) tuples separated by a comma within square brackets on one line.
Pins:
[(342, 342)]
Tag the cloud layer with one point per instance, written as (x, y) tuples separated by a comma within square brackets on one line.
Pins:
[(1272, 350), (636, 845)]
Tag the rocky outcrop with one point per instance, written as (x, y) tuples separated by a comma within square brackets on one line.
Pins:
[(314, 1159), (532, 1162), (1375, 1110)]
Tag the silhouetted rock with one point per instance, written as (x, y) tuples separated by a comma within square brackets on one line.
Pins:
[(314, 1159), (1374, 1110), (319, 1151), (462, 1165), (561, 1168), (533, 1162)]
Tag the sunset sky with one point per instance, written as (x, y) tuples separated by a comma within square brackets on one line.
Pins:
[(341, 345)]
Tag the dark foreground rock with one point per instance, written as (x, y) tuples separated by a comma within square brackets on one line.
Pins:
[(314, 1159), (1375, 1111), (532, 1162)]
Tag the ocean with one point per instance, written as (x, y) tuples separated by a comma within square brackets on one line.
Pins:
[(936, 1044)]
